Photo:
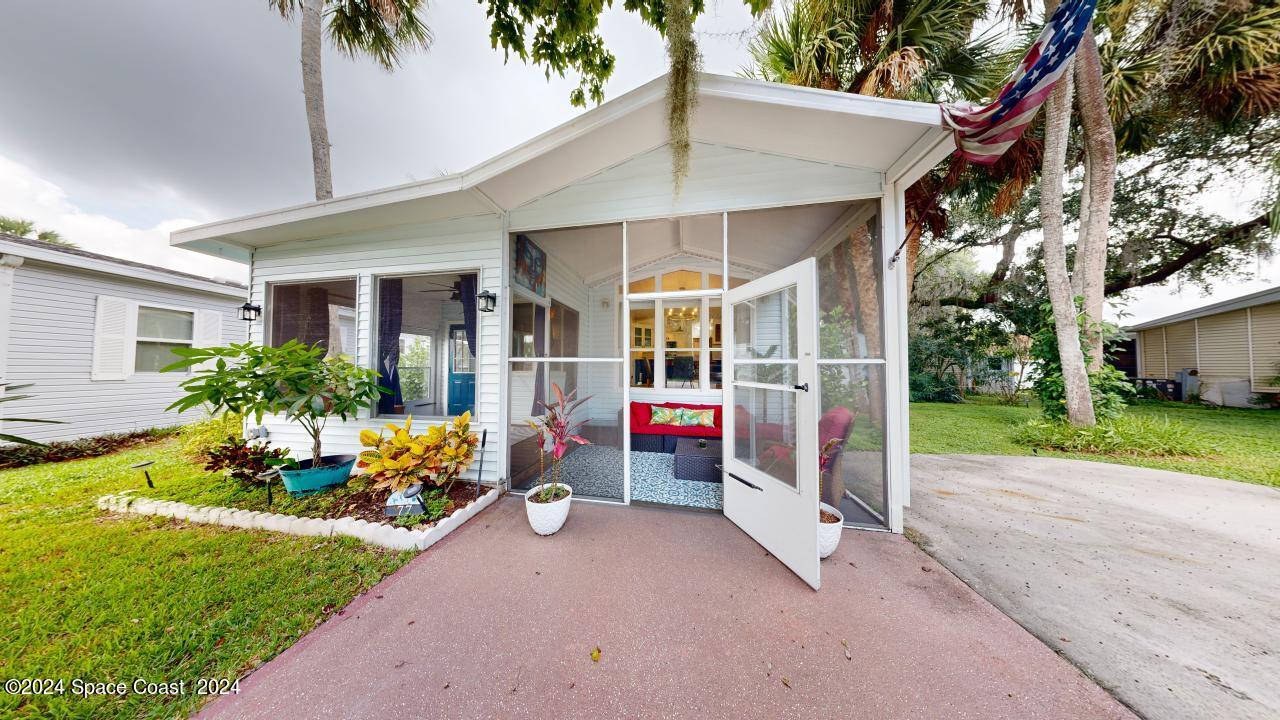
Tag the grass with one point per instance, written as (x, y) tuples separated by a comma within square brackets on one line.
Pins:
[(1247, 440), (112, 599)]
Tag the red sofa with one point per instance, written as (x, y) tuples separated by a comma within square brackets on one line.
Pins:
[(662, 438)]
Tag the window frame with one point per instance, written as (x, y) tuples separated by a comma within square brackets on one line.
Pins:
[(441, 347), (189, 342), (705, 301), (268, 315)]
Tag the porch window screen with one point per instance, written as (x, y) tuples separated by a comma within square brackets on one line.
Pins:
[(321, 312), (565, 293), (414, 354)]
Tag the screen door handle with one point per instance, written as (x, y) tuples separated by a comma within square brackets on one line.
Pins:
[(751, 485), (804, 387)]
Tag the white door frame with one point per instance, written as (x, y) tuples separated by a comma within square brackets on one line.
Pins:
[(782, 518)]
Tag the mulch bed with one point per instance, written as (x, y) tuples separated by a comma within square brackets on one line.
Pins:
[(369, 505), (827, 517)]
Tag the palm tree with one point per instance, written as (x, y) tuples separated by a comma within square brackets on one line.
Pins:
[(908, 49), (27, 229), (380, 29)]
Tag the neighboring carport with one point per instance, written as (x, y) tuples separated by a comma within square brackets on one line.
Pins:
[(1160, 585)]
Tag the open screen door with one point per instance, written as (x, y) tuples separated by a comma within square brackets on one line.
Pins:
[(770, 427)]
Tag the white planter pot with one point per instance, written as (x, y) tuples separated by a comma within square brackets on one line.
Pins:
[(547, 518), (829, 533)]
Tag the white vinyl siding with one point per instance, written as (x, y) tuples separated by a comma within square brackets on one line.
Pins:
[(53, 336), (471, 244)]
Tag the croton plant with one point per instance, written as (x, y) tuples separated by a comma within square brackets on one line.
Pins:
[(402, 459)]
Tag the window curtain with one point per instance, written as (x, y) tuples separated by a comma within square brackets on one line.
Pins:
[(467, 289), (539, 350), (390, 318)]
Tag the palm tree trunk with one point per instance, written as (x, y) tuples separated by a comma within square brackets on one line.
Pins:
[(1057, 126), (1099, 190), (313, 93)]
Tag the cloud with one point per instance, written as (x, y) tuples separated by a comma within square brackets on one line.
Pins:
[(25, 195)]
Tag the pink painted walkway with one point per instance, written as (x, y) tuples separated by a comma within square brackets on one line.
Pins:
[(692, 618)]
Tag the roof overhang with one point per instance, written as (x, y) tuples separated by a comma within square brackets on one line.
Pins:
[(133, 271), (900, 139), (1262, 297)]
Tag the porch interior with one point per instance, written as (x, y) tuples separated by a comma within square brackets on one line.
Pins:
[(624, 345)]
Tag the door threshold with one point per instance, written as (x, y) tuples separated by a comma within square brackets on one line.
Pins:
[(671, 506)]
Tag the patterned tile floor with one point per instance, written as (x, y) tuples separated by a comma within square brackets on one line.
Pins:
[(653, 480)]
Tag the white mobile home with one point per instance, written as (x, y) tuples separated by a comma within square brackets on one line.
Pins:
[(762, 292), (90, 332)]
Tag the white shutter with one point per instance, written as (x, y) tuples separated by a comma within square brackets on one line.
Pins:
[(114, 338), (208, 329)]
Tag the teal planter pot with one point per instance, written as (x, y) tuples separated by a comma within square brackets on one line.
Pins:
[(335, 470)]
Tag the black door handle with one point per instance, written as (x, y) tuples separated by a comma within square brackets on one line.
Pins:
[(751, 485), (804, 387)]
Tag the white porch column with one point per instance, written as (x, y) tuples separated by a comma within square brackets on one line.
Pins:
[(898, 449)]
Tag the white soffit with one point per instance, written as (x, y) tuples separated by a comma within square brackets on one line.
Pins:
[(719, 178), (854, 131)]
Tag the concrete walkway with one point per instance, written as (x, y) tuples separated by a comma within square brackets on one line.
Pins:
[(692, 618), (1162, 586)]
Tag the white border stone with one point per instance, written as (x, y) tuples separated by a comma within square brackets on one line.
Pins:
[(382, 534)]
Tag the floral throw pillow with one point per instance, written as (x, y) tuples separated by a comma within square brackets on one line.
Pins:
[(697, 418), (664, 416)]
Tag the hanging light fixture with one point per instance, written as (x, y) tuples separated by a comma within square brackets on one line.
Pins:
[(250, 312)]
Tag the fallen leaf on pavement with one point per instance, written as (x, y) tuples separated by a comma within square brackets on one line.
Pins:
[(786, 682), (595, 654)]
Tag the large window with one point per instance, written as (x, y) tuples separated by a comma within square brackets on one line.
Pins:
[(315, 312), (675, 343), (425, 344), (160, 331)]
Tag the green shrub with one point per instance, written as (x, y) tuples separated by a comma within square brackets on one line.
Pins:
[(199, 439), (14, 456), (1132, 435), (926, 387), (242, 461)]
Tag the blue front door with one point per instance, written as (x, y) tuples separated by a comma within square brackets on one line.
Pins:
[(462, 372)]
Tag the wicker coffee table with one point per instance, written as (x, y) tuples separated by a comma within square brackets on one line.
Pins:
[(697, 463)]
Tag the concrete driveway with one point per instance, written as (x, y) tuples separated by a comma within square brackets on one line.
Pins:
[(1164, 587), (692, 618)]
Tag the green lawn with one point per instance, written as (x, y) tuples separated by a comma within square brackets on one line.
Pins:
[(1248, 440), (88, 596)]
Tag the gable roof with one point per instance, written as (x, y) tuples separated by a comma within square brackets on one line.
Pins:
[(53, 253), (895, 138), (1262, 297)]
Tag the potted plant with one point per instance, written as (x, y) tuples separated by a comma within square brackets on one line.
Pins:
[(293, 380), (830, 519), (548, 506)]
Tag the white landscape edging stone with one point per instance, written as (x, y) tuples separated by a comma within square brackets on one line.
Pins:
[(382, 534)]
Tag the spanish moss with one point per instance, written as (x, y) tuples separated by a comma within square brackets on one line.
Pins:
[(682, 85)]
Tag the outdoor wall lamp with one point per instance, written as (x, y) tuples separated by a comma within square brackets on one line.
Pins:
[(486, 301), (250, 312)]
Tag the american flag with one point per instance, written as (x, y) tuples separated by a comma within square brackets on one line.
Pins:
[(984, 133)]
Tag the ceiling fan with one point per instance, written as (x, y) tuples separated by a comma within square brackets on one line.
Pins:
[(454, 290)]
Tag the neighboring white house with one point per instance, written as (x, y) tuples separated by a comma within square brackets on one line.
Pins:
[(88, 333), (762, 291)]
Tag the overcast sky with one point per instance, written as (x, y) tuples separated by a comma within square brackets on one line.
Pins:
[(124, 120)]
